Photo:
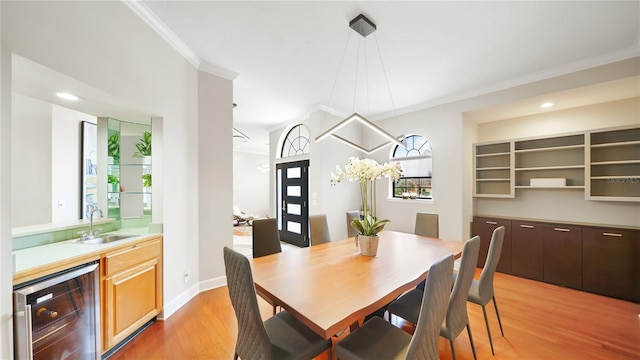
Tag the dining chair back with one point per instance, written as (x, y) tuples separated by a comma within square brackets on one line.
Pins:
[(426, 225), (266, 241), (457, 318), (266, 238), (279, 337), (379, 339), (424, 343), (408, 305), (353, 214), (319, 229), (481, 291)]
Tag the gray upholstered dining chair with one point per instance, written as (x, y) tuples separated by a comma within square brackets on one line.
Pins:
[(379, 339), (319, 229), (426, 225), (266, 241), (266, 238), (279, 337), (456, 319), (353, 214), (481, 291)]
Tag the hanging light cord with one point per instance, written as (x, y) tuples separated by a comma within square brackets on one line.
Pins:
[(335, 82), (386, 78)]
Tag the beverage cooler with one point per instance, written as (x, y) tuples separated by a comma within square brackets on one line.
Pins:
[(58, 317)]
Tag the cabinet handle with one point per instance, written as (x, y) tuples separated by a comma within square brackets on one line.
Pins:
[(611, 234), (492, 222), (561, 229), (527, 226)]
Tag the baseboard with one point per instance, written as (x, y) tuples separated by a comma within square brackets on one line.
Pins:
[(189, 294)]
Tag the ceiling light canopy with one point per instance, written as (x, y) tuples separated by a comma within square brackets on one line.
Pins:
[(546, 105), (363, 26)]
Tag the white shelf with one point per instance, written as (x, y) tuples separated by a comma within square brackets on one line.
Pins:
[(616, 144), (618, 162), (553, 148), (494, 168), (615, 177), (497, 179), (549, 187), (538, 168), (493, 154)]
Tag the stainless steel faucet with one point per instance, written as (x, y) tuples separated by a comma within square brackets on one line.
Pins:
[(92, 233)]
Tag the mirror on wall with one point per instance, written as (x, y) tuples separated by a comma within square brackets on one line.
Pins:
[(128, 168), (53, 171)]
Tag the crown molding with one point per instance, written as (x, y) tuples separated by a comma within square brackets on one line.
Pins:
[(217, 71), (172, 39)]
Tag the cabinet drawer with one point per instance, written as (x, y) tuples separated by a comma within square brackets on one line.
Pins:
[(134, 254)]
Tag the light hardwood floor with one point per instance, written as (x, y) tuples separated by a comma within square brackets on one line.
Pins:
[(540, 321)]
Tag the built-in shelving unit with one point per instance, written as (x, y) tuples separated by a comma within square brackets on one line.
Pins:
[(550, 158), (615, 165), (493, 176), (605, 164)]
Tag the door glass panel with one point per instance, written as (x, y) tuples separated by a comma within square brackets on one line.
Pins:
[(294, 209), (294, 227), (293, 191), (293, 173)]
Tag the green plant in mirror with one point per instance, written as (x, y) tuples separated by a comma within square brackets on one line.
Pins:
[(114, 147), (143, 145), (112, 179)]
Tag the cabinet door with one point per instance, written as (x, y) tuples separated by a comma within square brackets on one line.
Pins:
[(131, 301), (483, 227), (611, 260), (527, 249), (563, 255)]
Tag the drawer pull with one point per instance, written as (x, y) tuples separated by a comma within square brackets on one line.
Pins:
[(611, 234), (492, 222), (561, 229), (527, 226)]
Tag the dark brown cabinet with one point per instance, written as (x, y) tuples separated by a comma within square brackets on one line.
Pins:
[(484, 226), (610, 262), (562, 255), (527, 249)]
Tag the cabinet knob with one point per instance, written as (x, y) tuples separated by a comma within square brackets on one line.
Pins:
[(44, 312)]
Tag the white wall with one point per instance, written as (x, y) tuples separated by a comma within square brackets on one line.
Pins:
[(250, 183), (562, 205), (31, 159), (129, 61), (65, 159)]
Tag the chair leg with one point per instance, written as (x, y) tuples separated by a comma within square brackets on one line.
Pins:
[(486, 322), (235, 356), (453, 351), (473, 347), (274, 309), (495, 304)]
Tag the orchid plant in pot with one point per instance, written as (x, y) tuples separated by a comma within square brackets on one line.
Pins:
[(367, 172)]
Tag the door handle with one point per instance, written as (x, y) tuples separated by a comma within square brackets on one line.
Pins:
[(561, 229), (28, 328), (492, 222), (611, 234), (526, 226), (284, 205)]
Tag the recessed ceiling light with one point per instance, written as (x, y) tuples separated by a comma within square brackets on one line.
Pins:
[(546, 105), (68, 96)]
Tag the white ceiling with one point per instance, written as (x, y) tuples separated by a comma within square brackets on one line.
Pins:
[(287, 54)]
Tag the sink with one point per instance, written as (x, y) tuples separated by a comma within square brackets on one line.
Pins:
[(104, 239)]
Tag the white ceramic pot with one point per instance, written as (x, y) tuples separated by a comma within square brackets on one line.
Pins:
[(368, 245)]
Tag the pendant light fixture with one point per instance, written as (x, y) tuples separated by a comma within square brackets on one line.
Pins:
[(363, 26)]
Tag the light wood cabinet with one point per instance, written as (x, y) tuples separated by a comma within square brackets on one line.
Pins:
[(131, 289)]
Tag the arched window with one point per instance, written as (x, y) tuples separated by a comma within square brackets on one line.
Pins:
[(415, 160), (296, 142)]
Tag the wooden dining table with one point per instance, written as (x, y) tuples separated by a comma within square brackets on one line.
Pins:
[(330, 286)]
